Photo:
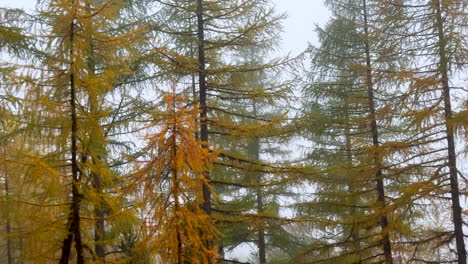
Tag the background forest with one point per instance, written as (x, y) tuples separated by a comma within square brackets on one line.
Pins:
[(172, 132)]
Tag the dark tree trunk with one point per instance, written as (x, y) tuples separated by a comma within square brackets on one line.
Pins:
[(74, 229), (67, 243), (206, 206), (452, 158), (375, 141), (202, 97)]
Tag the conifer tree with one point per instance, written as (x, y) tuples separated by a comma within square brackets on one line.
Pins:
[(356, 132), (201, 42), (336, 111), (65, 108), (99, 164), (173, 179), (14, 44), (12, 39), (250, 188), (435, 26)]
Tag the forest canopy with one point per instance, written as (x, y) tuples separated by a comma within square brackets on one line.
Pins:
[(173, 132)]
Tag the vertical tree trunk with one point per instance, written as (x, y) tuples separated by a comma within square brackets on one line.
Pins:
[(255, 153), (375, 141), (99, 211), (349, 163), (8, 221), (206, 206), (194, 86), (74, 230), (99, 223), (452, 158), (202, 97), (175, 183)]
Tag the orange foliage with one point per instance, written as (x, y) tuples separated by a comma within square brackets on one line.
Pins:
[(178, 230)]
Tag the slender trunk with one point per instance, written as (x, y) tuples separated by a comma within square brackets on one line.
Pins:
[(175, 181), (452, 158), (221, 250), (67, 242), (255, 154), (74, 231), (206, 206), (349, 163), (99, 211), (202, 98), (99, 223), (261, 242), (175, 191), (375, 141), (8, 222), (194, 87)]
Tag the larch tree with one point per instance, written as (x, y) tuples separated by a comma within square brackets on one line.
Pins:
[(15, 44), (335, 108), (199, 41), (248, 186), (355, 129), (172, 174), (62, 115), (99, 163), (437, 46)]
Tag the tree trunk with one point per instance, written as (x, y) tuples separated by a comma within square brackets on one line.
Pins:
[(349, 163), (74, 230), (452, 158), (206, 206), (99, 223), (255, 154), (202, 97), (99, 211), (8, 221), (375, 141)]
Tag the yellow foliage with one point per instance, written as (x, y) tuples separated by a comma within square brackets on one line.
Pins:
[(179, 230)]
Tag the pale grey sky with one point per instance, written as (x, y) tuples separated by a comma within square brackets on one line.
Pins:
[(300, 25)]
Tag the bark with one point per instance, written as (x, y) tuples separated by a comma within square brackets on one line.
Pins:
[(175, 183), (202, 97), (375, 141), (74, 230), (175, 191), (452, 158), (206, 205)]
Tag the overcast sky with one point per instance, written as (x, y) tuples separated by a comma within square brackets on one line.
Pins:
[(299, 27)]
